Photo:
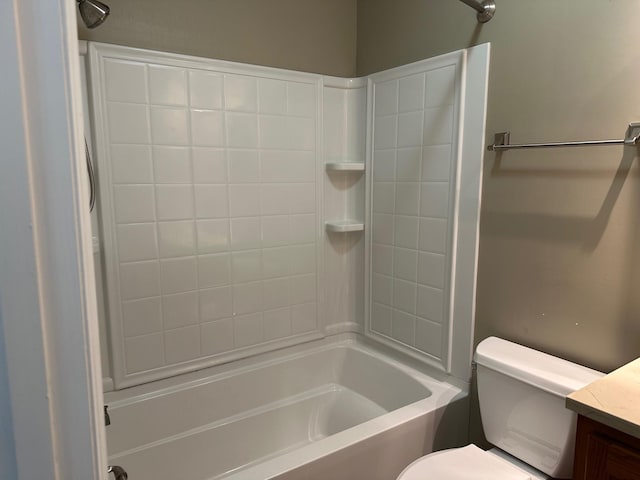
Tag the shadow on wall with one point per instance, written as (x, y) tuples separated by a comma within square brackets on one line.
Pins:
[(475, 35), (452, 430), (559, 228), (476, 432), (343, 243)]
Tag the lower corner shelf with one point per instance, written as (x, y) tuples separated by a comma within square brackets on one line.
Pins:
[(345, 166), (344, 226)]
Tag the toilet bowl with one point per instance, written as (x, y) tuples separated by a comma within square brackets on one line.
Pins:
[(522, 394), (470, 463)]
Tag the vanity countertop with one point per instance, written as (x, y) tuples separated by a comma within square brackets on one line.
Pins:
[(613, 400)]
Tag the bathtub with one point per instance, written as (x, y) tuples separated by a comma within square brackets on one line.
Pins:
[(331, 409)]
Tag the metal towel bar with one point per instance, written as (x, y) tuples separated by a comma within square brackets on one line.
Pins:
[(501, 141)]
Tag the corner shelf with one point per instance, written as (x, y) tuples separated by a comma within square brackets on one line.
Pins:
[(344, 226), (345, 166)]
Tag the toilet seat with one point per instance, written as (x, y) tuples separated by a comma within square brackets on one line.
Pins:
[(465, 463)]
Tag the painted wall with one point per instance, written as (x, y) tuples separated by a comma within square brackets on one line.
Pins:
[(306, 35), (7, 445), (559, 263)]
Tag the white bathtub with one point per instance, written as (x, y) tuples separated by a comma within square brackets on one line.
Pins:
[(327, 410)]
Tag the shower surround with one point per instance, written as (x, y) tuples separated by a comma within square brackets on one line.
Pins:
[(247, 213)]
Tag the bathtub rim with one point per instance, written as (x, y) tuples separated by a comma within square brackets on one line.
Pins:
[(426, 375)]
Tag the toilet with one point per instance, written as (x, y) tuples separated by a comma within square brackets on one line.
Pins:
[(521, 393)]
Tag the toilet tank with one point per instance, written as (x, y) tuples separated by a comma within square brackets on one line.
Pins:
[(522, 394)]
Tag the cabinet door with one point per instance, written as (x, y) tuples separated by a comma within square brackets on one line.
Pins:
[(623, 463), (609, 460)]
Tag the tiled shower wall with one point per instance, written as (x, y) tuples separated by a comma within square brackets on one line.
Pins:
[(415, 135), (208, 178), (213, 194)]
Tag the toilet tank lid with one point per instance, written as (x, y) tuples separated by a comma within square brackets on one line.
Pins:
[(536, 368)]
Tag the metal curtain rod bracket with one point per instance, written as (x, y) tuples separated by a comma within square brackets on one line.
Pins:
[(486, 9), (501, 141)]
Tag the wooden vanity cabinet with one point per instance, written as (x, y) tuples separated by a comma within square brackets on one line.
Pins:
[(604, 453)]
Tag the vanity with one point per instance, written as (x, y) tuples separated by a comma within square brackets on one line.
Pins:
[(608, 431)]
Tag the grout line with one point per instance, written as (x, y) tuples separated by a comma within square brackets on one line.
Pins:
[(230, 250), (155, 205), (194, 224)]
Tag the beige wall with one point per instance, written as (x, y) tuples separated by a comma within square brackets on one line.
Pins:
[(560, 231), (307, 35)]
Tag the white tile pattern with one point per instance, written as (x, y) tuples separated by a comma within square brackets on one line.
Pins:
[(412, 191), (212, 188)]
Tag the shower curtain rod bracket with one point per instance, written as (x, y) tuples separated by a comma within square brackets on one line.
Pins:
[(486, 9), (632, 138), (489, 10), (501, 139)]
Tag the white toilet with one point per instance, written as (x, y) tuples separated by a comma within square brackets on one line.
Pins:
[(522, 404)]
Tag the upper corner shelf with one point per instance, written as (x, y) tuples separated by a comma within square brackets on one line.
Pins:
[(345, 166)]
